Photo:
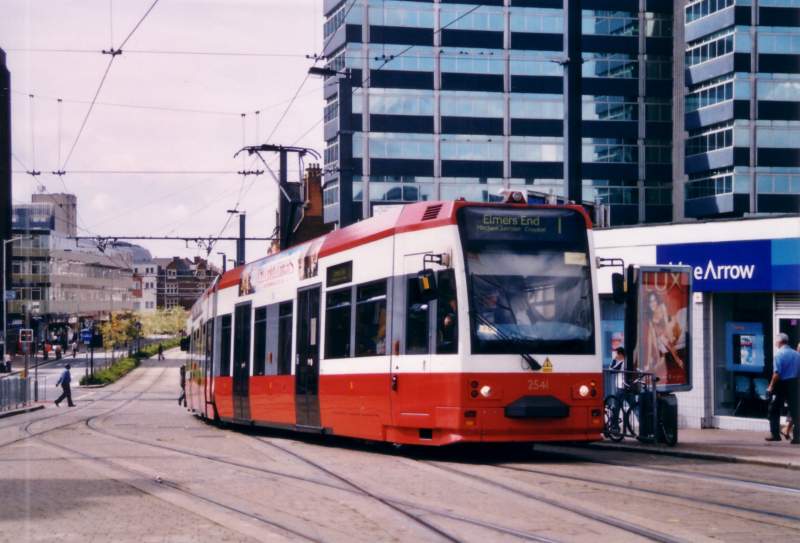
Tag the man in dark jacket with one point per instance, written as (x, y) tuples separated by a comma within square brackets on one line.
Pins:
[(182, 397), (66, 392)]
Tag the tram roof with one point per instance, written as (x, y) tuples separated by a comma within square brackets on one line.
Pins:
[(396, 220)]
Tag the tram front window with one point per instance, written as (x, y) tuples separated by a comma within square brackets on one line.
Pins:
[(530, 291)]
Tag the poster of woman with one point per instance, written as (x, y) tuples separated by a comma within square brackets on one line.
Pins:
[(664, 326)]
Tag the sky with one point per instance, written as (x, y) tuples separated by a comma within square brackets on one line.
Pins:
[(53, 51)]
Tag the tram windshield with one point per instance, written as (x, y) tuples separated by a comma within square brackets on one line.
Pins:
[(529, 281)]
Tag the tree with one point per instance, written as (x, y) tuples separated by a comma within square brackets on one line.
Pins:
[(165, 321)]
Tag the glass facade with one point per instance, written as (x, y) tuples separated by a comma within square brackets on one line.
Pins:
[(457, 100), (741, 107)]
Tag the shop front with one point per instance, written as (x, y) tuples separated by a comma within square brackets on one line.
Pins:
[(746, 283)]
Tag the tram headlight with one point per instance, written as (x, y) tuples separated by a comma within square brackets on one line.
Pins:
[(486, 391), (583, 391)]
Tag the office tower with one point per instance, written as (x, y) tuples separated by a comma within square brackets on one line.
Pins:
[(441, 100), (741, 122)]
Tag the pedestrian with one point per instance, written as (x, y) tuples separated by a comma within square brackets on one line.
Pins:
[(66, 392), (74, 349), (618, 366), (7, 358), (160, 351), (783, 388), (182, 397)]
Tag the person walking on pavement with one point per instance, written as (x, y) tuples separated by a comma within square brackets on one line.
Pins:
[(66, 392), (182, 397), (160, 351), (783, 388)]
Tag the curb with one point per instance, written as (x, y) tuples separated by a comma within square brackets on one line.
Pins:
[(718, 457), (20, 411)]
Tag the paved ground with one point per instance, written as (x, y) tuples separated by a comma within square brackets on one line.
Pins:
[(128, 464), (740, 446)]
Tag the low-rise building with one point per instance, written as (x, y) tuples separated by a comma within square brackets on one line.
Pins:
[(60, 282), (746, 284), (180, 281)]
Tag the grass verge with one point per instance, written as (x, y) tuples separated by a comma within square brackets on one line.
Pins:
[(123, 366)]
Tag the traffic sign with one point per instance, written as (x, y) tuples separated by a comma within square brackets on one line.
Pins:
[(86, 336), (26, 335), (11, 295)]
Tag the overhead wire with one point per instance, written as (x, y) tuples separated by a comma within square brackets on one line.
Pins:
[(163, 108)]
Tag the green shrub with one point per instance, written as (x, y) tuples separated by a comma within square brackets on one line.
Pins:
[(123, 366), (112, 373)]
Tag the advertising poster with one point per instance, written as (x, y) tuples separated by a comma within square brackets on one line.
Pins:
[(292, 265), (664, 325)]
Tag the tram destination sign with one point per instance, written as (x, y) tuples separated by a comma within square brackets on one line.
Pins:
[(499, 224)]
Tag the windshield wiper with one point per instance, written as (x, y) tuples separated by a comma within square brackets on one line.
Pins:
[(514, 340)]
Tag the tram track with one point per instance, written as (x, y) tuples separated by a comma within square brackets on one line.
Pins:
[(649, 491), (750, 484), (25, 426), (400, 506), (584, 512)]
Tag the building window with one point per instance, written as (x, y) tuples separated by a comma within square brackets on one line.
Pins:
[(610, 23), (613, 65), (463, 147), (537, 149), (401, 14), (537, 106), (337, 324), (709, 95), (472, 61), (609, 108), (537, 20), (710, 48), (703, 8), (715, 139), (469, 18), (401, 102), (389, 145), (371, 319), (616, 150)]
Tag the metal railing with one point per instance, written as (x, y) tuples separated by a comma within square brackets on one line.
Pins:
[(15, 392)]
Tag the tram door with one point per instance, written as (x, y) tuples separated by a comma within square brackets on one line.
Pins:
[(307, 358), (241, 362)]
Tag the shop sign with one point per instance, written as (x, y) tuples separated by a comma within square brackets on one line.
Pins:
[(738, 266)]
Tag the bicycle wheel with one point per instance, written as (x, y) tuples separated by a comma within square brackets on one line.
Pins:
[(631, 418), (668, 433), (613, 420)]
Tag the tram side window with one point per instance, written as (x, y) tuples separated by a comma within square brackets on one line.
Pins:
[(225, 346), (371, 319), (417, 316), (260, 341), (285, 338), (447, 313), (337, 324), (209, 341)]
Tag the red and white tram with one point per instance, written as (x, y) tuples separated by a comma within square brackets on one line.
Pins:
[(432, 323)]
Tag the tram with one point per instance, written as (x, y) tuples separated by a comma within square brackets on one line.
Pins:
[(430, 324)]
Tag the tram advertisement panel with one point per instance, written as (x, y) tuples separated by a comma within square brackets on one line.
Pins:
[(295, 264), (664, 300)]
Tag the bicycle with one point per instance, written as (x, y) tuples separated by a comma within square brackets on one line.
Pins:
[(625, 408), (626, 404)]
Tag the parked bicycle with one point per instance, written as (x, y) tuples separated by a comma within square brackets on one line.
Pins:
[(635, 409)]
